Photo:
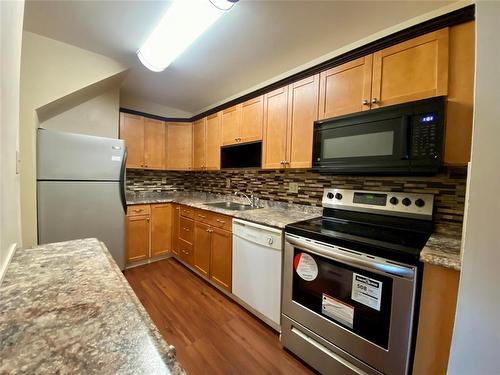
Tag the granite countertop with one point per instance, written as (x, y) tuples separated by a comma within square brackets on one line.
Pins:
[(444, 248), (275, 214), (67, 308)]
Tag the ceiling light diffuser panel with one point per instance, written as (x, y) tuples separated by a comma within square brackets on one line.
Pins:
[(182, 23)]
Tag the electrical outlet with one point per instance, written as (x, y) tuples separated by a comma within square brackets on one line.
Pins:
[(228, 183), (293, 187), (163, 180)]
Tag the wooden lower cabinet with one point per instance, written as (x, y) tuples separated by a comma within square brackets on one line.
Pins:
[(138, 232), (436, 319), (205, 243), (149, 231), (176, 216), (202, 247), (221, 257), (161, 229)]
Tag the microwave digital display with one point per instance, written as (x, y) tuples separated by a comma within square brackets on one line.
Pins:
[(428, 118)]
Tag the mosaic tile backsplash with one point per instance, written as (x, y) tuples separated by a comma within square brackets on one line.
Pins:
[(448, 186)]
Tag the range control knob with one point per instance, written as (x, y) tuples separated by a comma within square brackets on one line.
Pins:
[(406, 202), (394, 200), (329, 195), (419, 203), (338, 196)]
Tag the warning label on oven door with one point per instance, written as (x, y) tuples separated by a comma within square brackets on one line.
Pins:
[(337, 310), (367, 291)]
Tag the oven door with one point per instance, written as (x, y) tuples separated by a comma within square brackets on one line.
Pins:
[(362, 143), (359, 304)]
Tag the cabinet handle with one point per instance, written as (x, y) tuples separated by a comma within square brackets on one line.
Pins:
[(177, 208), (147, 220), (207, 230), (203, 217), (366, 102), (186, 229), (137, 210), (374, 100), (221, 221)]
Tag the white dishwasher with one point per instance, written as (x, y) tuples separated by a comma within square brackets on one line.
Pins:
[(257, 255)]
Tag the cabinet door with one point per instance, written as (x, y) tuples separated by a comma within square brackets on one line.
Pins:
[(252, 118), (213, 142), (346, 88), (154, 144), (412, 70), (275, 126), (176, 214), (231, 119), (460, 100), (221, 258), (132, 132), (138, 231), (179, 146), (202, 236), (302, 112), (161, 229), (199, 144)]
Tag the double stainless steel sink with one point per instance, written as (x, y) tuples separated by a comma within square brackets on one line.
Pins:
[(232, 206)]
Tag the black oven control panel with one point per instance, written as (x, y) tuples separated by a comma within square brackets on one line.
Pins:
[(425, 138), (414, 205)]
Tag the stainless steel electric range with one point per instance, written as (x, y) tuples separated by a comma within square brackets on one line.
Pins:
[(351, 282)]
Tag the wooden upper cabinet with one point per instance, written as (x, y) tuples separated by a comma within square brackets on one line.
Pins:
[(138, 237), (252, 117), (154, 144), (302, 112), (161, 229), (213, 135), (202, 247), (275, 128), (412, 70), (221, 258), (231, 119), (179, 146), (460, 100), (346, 88), (132, 132), (199, 143)]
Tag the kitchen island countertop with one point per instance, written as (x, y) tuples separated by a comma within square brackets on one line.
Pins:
[(67, 308)]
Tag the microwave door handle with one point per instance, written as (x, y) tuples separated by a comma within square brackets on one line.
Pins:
[(405, 137)]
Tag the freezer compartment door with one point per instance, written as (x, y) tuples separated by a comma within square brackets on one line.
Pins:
[(69, 210), (68, 156)]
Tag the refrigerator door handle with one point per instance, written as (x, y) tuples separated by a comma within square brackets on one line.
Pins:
[(122, 180)]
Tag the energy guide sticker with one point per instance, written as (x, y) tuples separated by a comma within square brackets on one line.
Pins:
[(305, 266), (367, 291)]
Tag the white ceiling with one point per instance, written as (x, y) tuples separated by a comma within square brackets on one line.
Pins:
[(254, 42)]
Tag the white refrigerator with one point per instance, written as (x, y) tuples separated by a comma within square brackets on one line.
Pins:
[(81, 189)]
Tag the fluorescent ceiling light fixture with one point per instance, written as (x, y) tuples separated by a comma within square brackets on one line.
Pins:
[(183, 22)]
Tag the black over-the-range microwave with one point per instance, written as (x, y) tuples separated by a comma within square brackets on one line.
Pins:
[(400, 139)]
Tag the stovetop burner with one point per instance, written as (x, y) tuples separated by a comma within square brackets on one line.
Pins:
[(397, 233)]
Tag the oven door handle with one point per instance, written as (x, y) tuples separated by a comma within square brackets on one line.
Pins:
[(334, 253)]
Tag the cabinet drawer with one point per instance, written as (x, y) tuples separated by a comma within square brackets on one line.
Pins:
[(138, 209), (187, 212), (203, 216), (186, 252), (186, 229), (221, 221)]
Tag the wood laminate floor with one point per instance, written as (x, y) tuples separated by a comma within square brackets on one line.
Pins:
[(212, 334)]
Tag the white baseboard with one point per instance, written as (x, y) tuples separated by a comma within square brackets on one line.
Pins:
[(3, 267)]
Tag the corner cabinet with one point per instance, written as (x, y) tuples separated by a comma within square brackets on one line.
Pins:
[(289, 114)]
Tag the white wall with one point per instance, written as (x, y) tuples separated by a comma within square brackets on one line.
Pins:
[(50, 72), (11, 23), (475, 347), (98, 116), (146, 106)]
